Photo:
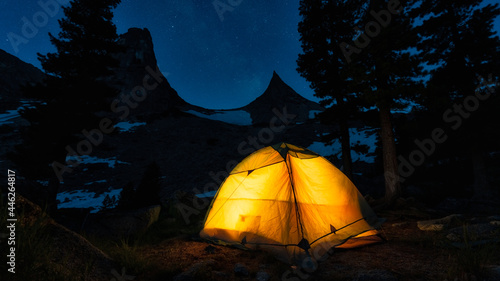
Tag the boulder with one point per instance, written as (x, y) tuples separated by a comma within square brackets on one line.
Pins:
[(474, 232), (194, 272), (122, 223), (494, 218), (401, 224), (262, 276), (241, 270), (453, 237), (495, 223), (376, 275), (438, 224), (494, 273)]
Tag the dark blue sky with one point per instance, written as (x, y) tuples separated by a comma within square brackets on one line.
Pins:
[(212, 60)]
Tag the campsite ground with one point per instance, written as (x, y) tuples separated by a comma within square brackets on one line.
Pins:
[(407, 254), (172, 250)]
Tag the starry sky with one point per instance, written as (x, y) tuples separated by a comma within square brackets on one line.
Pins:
[(215, 59)]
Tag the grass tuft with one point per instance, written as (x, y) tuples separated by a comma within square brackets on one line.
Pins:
[(470, 260)]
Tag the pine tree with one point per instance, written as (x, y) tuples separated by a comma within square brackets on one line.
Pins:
[(386, 72), (108, 203), (457, 38), (75, 89), (355, 59), (127, 199), (148, 191), (324, 26)]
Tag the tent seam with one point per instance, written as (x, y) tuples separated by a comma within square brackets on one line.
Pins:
[(257, 168), (226, 199)]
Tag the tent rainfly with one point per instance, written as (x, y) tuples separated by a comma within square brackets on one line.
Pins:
[(291, 202)]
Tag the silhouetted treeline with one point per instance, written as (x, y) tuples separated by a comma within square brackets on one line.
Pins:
[(441, 57), (73, 93)]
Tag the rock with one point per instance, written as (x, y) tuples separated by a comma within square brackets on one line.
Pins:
[(263, 276), (376, 275), (263, 266), (119, 223), (475, 234), (220, 275), (430, 226), (193, 272), (494, 273), (453, 237), (451, 205), (241, 270), (210, 249), (472, 244), (438, 224), (400, 224)]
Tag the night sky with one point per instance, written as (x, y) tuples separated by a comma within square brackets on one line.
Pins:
[(213, 60)]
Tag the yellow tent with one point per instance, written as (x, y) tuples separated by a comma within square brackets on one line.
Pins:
[(292, 202)]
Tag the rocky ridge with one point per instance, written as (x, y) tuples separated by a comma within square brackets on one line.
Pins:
[(14, 73)]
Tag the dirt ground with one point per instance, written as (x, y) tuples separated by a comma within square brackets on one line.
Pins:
[(171, 250), (407, 254)]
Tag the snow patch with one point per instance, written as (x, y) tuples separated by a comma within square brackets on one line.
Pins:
[(99, 181), (44, 183), (87, 159), (236, 117), (410, 105), (325, 149), (84, 199), (5, 118), (127, 126), (358, 136), (312, 113), (209, 194), (366, 137)]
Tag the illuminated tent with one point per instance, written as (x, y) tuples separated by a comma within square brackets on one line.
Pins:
[(292, 202)]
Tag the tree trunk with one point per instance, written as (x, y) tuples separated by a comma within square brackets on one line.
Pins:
[(391, 174), (481, 183), (345, 141), (50, 203), (53, 189)]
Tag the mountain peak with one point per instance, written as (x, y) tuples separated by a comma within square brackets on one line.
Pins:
[(279, 91), (13, 74), (138, 64), (276, 79), (279, 95)]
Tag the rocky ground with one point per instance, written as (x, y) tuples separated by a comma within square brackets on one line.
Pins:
[(420, 244), (409, 253)]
